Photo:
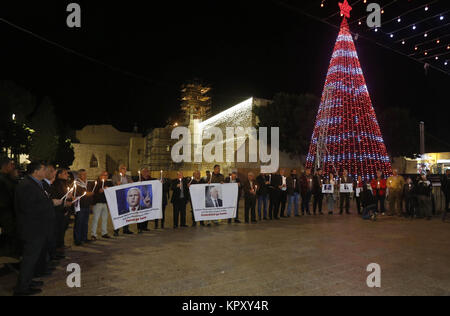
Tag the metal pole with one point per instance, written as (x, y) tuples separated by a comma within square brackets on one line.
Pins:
[(422, 137)]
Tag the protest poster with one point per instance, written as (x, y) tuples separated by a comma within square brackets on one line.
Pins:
[(346, 188), (214, 201), (134, 203)]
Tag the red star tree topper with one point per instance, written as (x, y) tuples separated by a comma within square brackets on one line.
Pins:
[(346, 124), (345, 9)]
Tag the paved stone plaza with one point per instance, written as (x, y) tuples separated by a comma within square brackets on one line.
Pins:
[(322, 255)]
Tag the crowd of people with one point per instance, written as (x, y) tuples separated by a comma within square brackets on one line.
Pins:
[(35, 211)]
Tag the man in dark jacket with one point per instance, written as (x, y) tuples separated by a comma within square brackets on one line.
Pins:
[(318, 180), (235, 179), (180, 197), (262, 194), (8, 236), (250, 198), (35, 213), (343, 196), (306, 185), (293, 191), (276, 183)]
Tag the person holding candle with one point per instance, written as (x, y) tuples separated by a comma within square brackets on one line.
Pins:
[(409, 194), (276, 183), (379, 190), (100, 209), (306, 187), (250, 198), (344, 198), (331, 197), (85, 201), (61, 190), (293, 188), (358, 185), (165, 199), (233, 178), (216, 177), (318, 181), (118, 179), (35, 215), (180, 197), (196, 179), (395, 185), (284, 193), (144, 175)]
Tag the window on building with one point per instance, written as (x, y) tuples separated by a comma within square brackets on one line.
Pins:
[(94, 162)]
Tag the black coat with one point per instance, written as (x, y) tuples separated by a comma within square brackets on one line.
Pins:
[(262, 186), (177, 191), (34, 209)]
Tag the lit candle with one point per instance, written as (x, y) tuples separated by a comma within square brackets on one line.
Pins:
[(103, 183), (75, 190), (161, 175), (192, 179), (79, 198), (139, 172), (95, 186)]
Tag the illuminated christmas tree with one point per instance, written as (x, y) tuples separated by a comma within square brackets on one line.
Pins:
[(346, 133)]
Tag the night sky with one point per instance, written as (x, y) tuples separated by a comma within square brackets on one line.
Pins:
[(241, 48)]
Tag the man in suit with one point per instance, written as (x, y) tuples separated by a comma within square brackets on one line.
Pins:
[(8, 225), (50, 176), (318, 181), (262, 195), (345, 197), (250, 188), (180, 197), (35, 214), (306, 186), (276, 183), (213, 199), (235, 179), (118, 179)]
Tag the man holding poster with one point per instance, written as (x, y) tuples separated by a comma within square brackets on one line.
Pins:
[(346, 187)]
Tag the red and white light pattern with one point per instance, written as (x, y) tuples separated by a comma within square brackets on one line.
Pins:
[(353, 137)]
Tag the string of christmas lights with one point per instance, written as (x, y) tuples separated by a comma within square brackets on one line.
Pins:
[(353, 137), (408, 30)]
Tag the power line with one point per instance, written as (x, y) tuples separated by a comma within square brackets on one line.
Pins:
[(81, 55), (290, 7)]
